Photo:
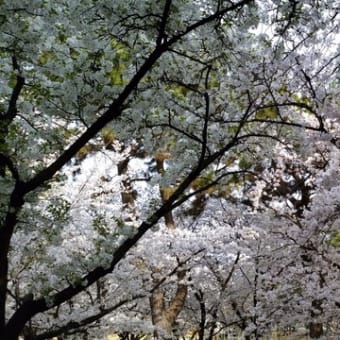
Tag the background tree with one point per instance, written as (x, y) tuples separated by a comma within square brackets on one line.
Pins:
[(194, 78)]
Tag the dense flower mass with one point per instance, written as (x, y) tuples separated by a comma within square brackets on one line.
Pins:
[(169, 168)]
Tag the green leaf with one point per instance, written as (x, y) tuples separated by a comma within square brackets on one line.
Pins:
[(335, 240), (116, 75), (45, 57), (267, 113), (244, 163)]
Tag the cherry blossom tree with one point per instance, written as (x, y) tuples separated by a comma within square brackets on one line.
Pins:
[(204, 92), (303, 250)]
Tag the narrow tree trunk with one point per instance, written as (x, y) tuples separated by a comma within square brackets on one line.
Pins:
[(316, 328), (168, 217), (128, 195), (165, 317)]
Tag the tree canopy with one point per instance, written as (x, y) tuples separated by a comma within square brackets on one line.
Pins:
[(169, 168)]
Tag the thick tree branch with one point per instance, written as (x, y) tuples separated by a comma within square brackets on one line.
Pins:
[(5, 160), (162, 37), (209, 19), (20, 81), (113, 112), (71, 325)]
